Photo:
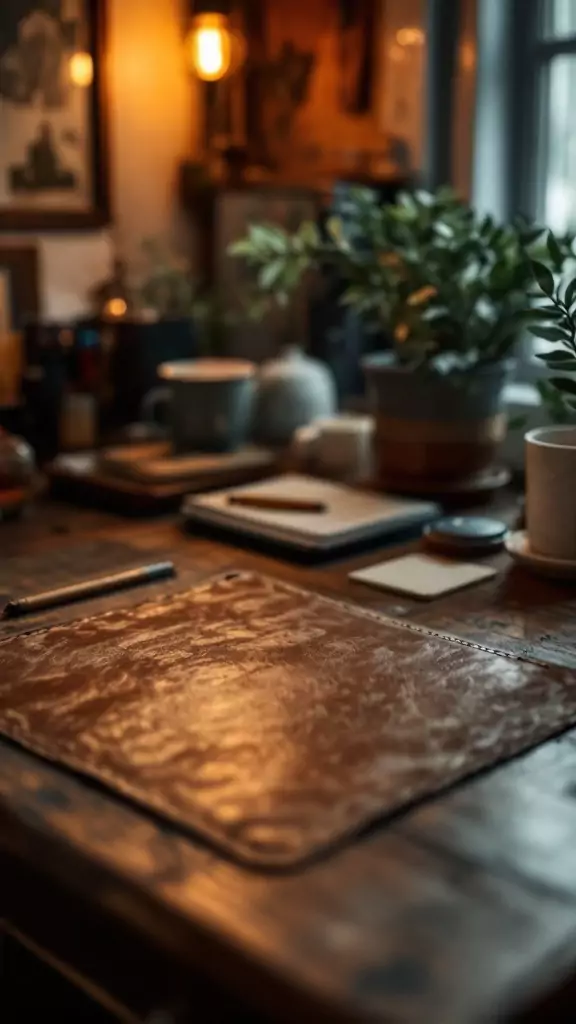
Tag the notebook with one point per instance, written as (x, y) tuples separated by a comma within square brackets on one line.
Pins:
[(351, 515)]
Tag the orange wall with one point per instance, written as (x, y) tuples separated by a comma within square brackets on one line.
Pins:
[(152, 119)]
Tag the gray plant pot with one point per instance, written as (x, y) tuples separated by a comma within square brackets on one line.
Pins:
[(435, 427)]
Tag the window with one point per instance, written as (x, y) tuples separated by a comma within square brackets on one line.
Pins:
[(540, 156), (560, 18), (525, 125), (559, 192), (556, 139)]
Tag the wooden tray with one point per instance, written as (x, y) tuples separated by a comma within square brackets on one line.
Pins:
[(81, 478)]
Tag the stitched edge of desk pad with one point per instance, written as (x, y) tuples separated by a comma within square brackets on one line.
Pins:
[(317, 717)]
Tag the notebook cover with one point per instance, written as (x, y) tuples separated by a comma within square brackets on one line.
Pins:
[(352, 515), (271, 721)]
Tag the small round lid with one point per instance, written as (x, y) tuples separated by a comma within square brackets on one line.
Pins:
[(465, 532)]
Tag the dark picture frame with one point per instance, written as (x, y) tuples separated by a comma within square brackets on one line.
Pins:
[(20, 265), (16, 215), (258, 109)]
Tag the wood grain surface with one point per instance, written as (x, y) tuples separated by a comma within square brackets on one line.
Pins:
[(462, 910)]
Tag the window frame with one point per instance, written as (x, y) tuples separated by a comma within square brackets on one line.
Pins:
[(545, 50), (532, 53)]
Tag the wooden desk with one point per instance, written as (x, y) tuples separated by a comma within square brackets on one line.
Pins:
[(461, 910)]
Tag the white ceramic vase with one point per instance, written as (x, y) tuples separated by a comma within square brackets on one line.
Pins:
[(551, 492), (293, 391)]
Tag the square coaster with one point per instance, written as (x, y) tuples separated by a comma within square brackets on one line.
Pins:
[(423, 576)]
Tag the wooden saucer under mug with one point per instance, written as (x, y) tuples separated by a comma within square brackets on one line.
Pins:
[(518, 546)]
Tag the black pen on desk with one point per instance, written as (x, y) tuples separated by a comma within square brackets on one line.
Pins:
[(88, 589)]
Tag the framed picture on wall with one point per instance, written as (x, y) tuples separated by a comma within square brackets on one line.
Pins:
[(53, 153), (305, 105)]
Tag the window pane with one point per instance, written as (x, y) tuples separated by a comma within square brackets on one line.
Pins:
[(560, 191), (560, 17)]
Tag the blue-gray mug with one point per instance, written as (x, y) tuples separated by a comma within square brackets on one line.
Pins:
[(209, 403)]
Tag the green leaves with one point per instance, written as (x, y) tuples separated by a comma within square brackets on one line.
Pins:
[(570, 297), (554, 252), (544, 277), (308, 235), (517, 422), (565, 384), (547, 333), (558, 392), (545, 313), (464, 285), (558, 405), (241, 248), (270, 274), (261, 242), (531, 235), (266, 237), (444, 230), (558, 360), (408, 203), (335, 229)]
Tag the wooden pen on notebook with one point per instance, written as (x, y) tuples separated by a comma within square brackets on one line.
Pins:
[(277, 503), (88, 589)]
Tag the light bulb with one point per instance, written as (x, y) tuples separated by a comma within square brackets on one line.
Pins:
[(410, 37), (214, 50), (115, 309), (81, 69), (211, 57)]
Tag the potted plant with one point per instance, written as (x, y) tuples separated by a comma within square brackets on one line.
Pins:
[(551, 451), (447, 289)]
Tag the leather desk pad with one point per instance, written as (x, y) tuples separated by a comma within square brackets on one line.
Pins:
[(271, 721)]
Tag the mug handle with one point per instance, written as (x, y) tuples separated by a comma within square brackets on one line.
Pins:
[(152, 402)]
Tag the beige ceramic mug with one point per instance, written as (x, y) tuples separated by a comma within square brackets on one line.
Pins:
[(551, 491), (339, 447)]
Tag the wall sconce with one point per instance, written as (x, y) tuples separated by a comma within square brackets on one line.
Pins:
[(81, 69), (214, 49), (410, 37)]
